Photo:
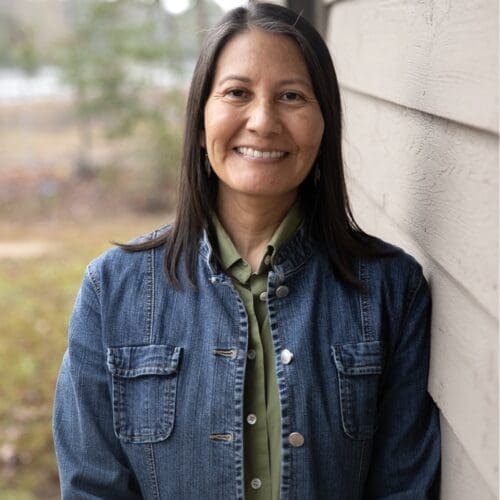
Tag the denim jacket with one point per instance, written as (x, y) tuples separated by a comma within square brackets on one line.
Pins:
[(149, 400)]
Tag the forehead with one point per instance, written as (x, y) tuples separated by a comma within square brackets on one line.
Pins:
[(256, 51)]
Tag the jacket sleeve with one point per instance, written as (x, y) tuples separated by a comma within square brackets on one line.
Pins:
[(406, 448), (90, 459)]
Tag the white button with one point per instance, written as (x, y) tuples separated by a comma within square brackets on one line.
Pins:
[(251, 354), (263, 296), (286, 356), (267, 260), (282, 291), (296, 439), (251, 419), (255, 483)]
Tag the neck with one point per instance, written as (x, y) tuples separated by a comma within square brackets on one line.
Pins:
[(250, 222)]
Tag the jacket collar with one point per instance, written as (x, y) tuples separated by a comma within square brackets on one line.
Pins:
[(290, 256)]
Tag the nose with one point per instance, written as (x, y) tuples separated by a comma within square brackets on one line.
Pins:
[(263, 118)]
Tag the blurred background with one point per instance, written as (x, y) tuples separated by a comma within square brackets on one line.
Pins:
[(92, 97)]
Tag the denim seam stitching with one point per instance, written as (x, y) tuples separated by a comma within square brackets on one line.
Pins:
[(239, 394), (149, 296), (154, 475), (94, 282), (413, 296), (286, 397), (361, 467), (364, 303)]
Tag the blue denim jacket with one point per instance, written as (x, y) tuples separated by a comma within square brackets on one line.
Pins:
[(149, 400)]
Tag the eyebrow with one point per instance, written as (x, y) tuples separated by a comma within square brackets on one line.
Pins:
[(244, 79)]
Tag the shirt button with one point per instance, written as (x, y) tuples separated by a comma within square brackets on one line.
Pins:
[(251, 354), (296, 439), (263, 296), (255, 483), (286, 356), (267, 260), (251, 419), (282, 291)]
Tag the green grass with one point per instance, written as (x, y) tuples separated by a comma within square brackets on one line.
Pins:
[(36, 298)]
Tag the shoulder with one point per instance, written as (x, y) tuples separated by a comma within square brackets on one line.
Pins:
[(394, 276), (396, 294), (392, 262), (127, 262)]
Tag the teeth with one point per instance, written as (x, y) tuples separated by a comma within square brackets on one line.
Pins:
[(255, 153)]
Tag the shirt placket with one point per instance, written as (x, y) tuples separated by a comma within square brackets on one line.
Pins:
[(258, 472)]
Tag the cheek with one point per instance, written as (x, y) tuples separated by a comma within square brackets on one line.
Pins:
[(309, 132), (220, 125)]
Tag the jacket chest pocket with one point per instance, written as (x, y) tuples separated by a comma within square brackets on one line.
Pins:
[(359, 367), (144, 382)]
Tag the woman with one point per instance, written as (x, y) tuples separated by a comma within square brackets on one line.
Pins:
[(263, 346)]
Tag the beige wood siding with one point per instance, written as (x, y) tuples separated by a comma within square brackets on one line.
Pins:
[(420, 88)]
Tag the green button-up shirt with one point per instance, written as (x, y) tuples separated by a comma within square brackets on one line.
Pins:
[(262, 431)]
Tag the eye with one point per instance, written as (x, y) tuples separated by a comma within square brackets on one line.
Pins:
[(291, 96), (236, 93)]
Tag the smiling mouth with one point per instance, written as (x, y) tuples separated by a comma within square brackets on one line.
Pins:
[(257, 153)]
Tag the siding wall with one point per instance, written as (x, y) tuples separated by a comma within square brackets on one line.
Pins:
[(419, 80)]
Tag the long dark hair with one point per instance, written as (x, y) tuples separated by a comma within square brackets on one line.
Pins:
[(328, 217)]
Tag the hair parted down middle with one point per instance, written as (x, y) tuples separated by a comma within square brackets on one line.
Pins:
[(328, 217)]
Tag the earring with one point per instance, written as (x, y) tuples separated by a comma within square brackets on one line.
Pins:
[(206, 163), (316, 175)]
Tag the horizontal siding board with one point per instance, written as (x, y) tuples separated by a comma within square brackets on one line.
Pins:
[(437, 57), (460, 479), (437, 179), (464, 362)]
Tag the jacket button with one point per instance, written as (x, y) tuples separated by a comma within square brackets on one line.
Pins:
[(296, 439), (263, 296), (255, 483), (282, 291), (267, 260), (251, 354), (286, 356)]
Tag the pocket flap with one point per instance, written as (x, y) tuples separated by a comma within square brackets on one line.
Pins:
[(361, 358), (137, 361)]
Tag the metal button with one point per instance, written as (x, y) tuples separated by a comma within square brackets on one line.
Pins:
[(282, 291), (296, 439), (263, 296), (251, 354), (255, 483), (286, 356), (267, 260), (251, 419)]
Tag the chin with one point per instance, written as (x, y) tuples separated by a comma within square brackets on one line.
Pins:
[(266, 191)]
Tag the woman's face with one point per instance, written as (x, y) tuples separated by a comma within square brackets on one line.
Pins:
[(263, 124)]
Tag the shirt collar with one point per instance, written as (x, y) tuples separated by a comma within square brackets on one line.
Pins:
[(235, 264)]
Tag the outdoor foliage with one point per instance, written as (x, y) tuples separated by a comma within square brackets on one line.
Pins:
[(110, 61), (104, 60), (18, 47), (36, 298), (72, 169), (127, 65)]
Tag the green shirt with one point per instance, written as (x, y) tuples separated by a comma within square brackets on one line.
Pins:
[(262, 425)]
